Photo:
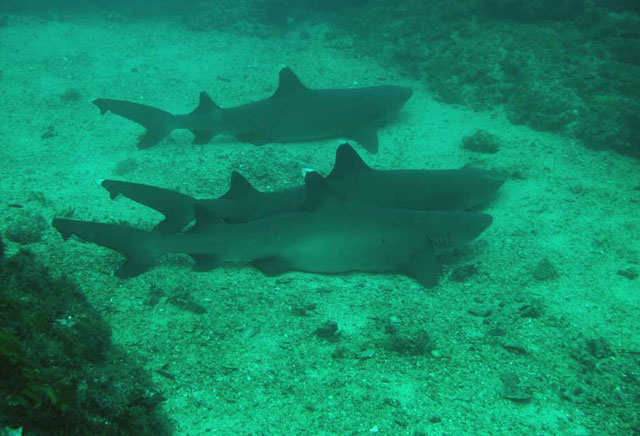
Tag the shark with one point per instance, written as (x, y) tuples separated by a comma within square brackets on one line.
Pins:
[(294, 113), (351, 179), (241, 203), (329, 237)]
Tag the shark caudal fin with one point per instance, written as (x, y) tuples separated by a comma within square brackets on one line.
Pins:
[(176, 207), (134, 244), (158, 123)]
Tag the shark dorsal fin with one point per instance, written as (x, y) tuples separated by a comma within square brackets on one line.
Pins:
[(348, 161), (205, 105), (319, 194), (239, 188), (289, 84)]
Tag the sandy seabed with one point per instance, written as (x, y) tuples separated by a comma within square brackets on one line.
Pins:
[(249, 365)]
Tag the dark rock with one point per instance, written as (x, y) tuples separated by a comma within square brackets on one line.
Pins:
[(27, 227), (303, 309), (480, 312), (462, 273), (619, 5), (391, 325), (594, 20), (599, 348), (340, 352), (154, 295), (50, 132), (60, 374), (574, 394), (496, 331), (611, 122), (416, 344), (530, 311), (532, 11), (182, 299), (71, 95), (542, 108), (125, 166), (482, 142), (625, 50), (545, 271), (514, 390), (514, 348), (328, 331), (630, 273)]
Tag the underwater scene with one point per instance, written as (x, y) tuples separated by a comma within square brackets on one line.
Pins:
[(308, 217)]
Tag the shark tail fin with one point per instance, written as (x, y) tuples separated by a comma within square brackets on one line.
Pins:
[(134, 244), (158, 123), (176, 207)]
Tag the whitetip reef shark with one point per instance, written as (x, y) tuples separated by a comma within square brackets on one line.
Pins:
[(333, 238), (351, 179), (293, 113)]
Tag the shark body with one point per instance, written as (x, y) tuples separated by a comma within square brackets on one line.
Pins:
[(331, 240), (293, 113), (351, 180)]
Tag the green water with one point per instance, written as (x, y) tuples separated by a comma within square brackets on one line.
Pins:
[(532, 328)]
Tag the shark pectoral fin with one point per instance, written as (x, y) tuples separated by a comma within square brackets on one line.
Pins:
[(367, 137), (272, 266), (134, 266), (252, 139), (205, 262), (424, 268), (201, 137), (170, 225), (151, 138)]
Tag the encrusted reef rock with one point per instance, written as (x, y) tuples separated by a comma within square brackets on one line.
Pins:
[(59, 373)]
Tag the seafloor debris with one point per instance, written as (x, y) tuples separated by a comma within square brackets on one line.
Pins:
[(482, 142)]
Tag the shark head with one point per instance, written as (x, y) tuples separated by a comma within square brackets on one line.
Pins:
[(394, 97), (471, 225), (482, 187)]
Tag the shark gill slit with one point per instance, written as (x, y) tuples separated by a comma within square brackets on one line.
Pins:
[(440, 242)]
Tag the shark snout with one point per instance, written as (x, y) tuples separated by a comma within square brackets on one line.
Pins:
[(406, 92), (403, 94), (485, 221), (475, 224)]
